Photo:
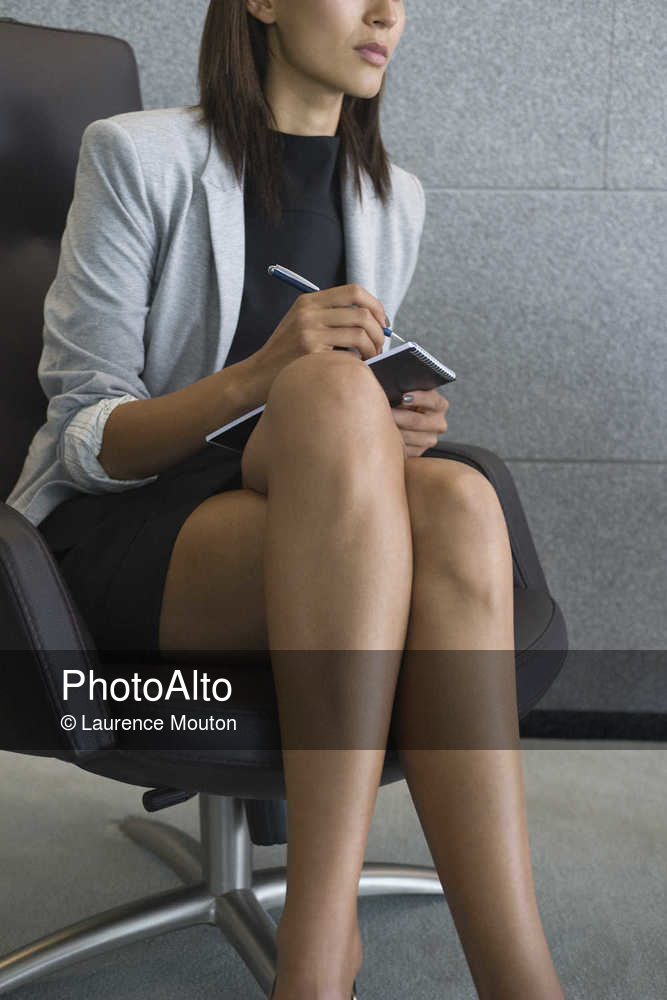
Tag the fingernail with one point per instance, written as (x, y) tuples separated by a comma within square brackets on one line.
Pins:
[(407, 398), (387, 322)]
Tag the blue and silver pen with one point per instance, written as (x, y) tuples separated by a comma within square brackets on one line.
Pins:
[(284, 273)]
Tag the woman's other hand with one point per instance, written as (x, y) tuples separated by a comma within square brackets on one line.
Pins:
[(421, 421)]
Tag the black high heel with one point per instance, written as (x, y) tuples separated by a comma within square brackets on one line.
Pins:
[(275, 979)]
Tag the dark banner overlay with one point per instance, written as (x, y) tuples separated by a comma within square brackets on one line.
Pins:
[(62, 703)]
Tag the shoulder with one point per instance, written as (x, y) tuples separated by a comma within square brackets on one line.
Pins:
[(156, 136), (150, 158), (409, 184)]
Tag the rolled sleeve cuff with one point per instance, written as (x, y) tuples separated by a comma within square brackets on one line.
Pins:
[(82, 443)]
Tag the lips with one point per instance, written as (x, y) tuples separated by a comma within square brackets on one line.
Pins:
[(374, 47), (372, 56)]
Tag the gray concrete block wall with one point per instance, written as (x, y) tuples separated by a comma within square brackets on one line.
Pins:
[(538, 131)]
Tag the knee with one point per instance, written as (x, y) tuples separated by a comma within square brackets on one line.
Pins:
[(442, 491), (332, 393), (459, 529)]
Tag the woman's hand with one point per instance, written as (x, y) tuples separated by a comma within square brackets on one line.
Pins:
[(421, 421)]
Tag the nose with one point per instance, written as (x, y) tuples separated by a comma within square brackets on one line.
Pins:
[(385, 11)]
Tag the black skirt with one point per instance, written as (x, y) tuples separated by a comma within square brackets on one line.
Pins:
[(113, 549)]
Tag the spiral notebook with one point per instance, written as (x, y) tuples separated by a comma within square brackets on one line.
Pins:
[(398, 370)]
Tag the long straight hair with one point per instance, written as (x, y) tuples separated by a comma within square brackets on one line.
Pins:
[(233, 62)]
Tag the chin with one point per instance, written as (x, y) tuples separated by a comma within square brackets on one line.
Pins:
[(367, 92)]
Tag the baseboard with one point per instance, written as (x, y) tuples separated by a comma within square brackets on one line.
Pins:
[(568, 725)]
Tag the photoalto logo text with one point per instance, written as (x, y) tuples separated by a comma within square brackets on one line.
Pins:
[(150, 688)]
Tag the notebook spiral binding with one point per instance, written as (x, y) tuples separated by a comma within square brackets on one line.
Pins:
[(429, 360)]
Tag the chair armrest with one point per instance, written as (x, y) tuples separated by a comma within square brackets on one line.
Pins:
[(43, 634), (528, 573)]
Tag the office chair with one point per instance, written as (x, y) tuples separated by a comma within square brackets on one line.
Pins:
[(53, 84)]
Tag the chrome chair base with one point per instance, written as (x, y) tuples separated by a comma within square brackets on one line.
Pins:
[(220, 889)]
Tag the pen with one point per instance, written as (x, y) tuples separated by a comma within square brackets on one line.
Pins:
[(284, 273)]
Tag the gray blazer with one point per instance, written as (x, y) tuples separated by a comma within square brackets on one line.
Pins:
[(147, 295)]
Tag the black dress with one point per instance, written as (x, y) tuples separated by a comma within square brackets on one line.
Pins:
[(114, 548)]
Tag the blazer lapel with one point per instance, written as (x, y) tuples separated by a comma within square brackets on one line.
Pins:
[(226, 220), (359, 225)]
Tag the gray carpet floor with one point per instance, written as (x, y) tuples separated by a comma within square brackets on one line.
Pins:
[(597, 819)]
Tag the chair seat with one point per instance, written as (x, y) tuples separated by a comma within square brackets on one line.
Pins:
[(247, 761)]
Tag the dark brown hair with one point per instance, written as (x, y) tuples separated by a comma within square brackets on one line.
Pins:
[(233, 61)]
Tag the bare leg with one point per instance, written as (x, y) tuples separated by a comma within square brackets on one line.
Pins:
[(457, 732), (338, 579)]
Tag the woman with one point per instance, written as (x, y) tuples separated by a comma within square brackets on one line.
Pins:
[(332, 541)]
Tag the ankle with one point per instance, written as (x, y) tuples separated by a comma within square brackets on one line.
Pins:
[(314, 982), (524, 983), (320, 967), (306, 989)]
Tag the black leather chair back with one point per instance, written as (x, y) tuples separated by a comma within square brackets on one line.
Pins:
[(53, 83)]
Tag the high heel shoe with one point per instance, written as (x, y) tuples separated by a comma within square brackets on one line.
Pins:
[(275, 979)]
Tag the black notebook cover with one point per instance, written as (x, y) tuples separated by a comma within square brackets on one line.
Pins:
[(398, 370)]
